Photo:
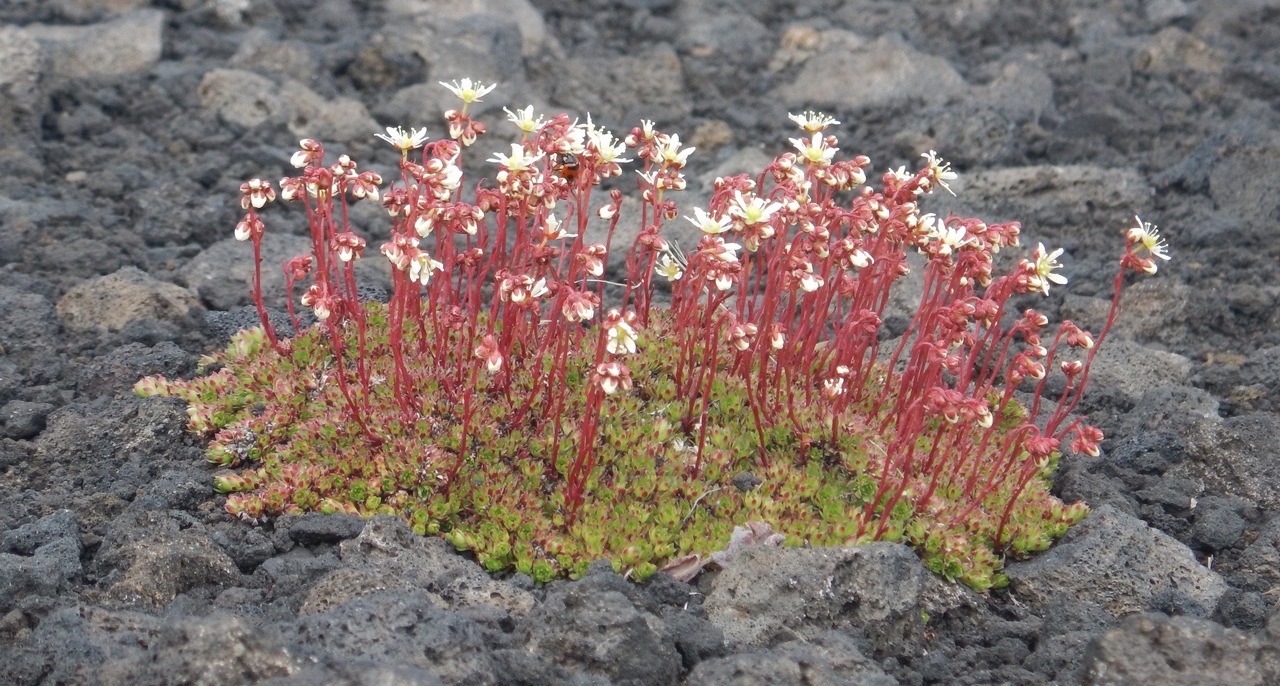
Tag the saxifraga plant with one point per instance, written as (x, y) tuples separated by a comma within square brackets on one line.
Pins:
[(496, 401)]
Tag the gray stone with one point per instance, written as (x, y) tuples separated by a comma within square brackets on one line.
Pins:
[(1246, 178), (1236, 456), (39, 558), (245, 99), (388, 556), (1174, 50), (1062, 195), (20, 55), (1132, 369), (158, 570), (24, 420), (1258, 567), (619, 91), (1118, 562), (260, 52), (829, 658), (1179, 651), (115, 301), (316, 527), (604, 633), (223, 273), (774, 594), (851, 71), (533, 30), (120, 369), (1218, 523), (148, 559), (26, 319), (241, 97), (402, 628), (1154, 310), (127, 45), (88, 644), (29, 538)]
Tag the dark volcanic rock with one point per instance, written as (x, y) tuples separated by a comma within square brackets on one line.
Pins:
[(127, 126)]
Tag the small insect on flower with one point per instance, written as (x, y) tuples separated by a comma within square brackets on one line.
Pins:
[(565, 165)]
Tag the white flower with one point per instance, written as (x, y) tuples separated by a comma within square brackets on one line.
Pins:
[(468, 92), (949, 238), (309, 153), (754, 211), (939, 170), (606, 146), (424, 224), (553, 230), (519, 160), (715, 247), (813, 122), (670, 152), (621, 337), (815, 151), (1146, 234), (523, 119), (1045, 262), (708, 224), (668, 266), (246, 228), (421, 267), (809, 282), (404, 140)]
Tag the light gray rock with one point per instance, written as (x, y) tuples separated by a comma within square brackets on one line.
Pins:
[(133, 648), (769, 595), (246, 99), (20, 55), (261, 52), (240, 97), (1174, 50), (619, 91), (830, 658), (90, 10), (1150, 310), (1132, 369), (1236, 456), (326, 119), (602, 632), (1072, 193), (1022, 90), (223, 273), (533, 29), (114, 301), (388, 556), (848, 70), (127, 45), (1118, 562), (161, 568), (1245, 178), (1179, 651)]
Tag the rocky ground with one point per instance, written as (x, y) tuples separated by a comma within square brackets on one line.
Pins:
[(126, 127)]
